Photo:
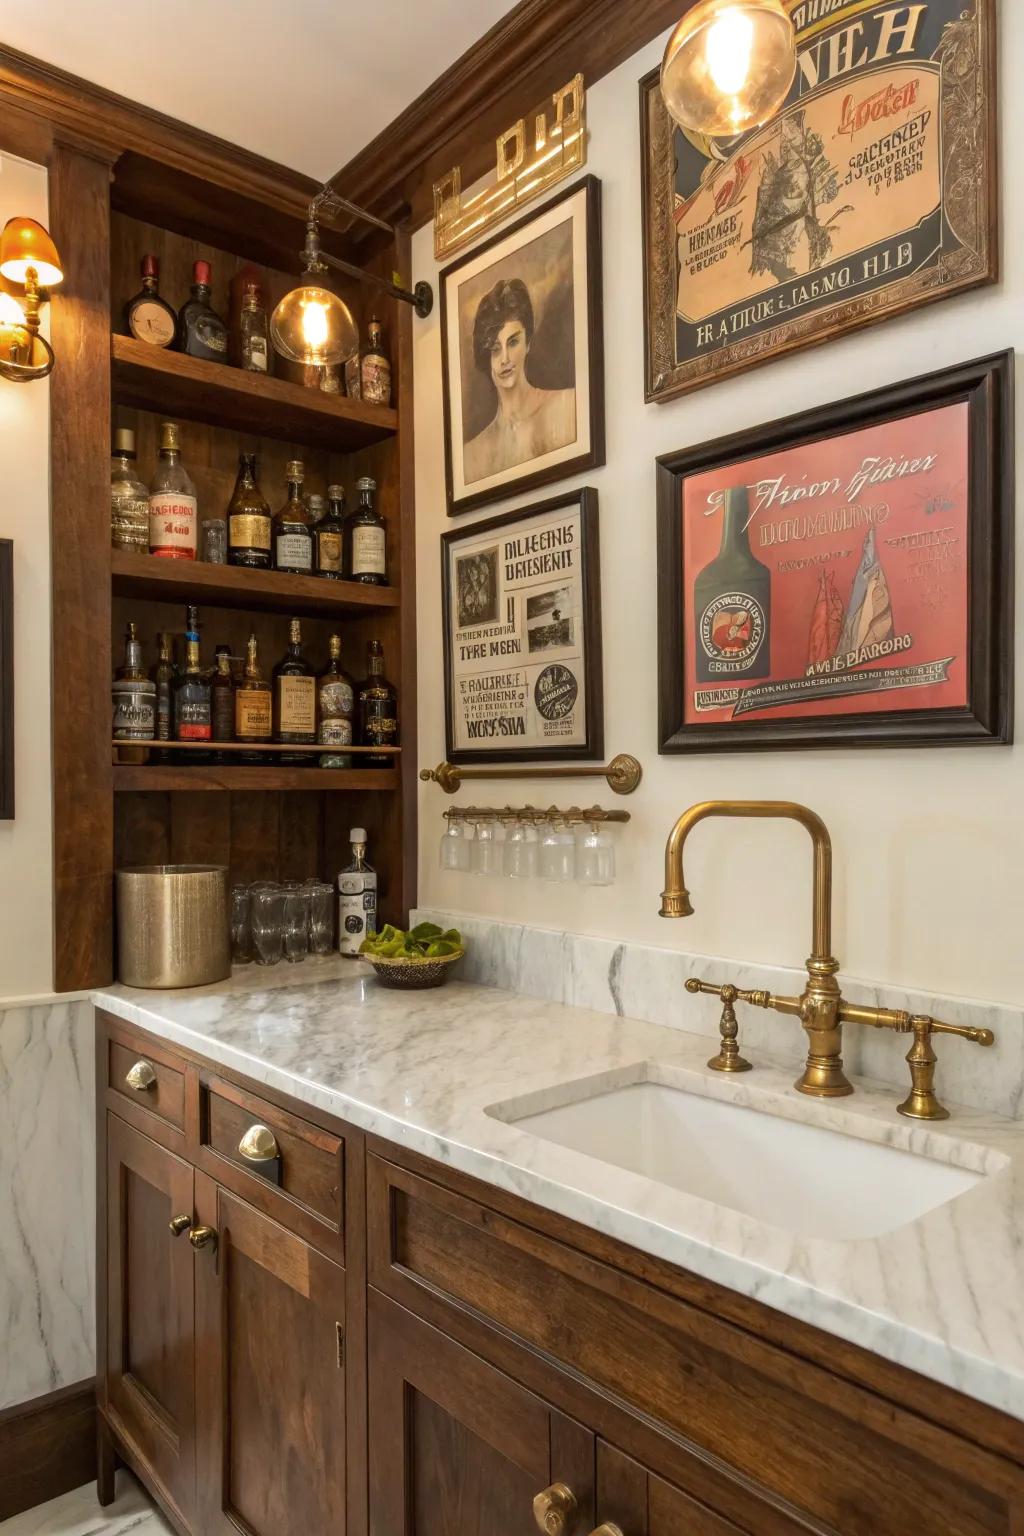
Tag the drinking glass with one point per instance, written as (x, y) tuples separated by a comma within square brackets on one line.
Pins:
[(215, 540), (321, 917), (455, 847), (521, 844), (488, 850), (558, 854), (595, 857), (267, 919), (241, 926), (296, 923)]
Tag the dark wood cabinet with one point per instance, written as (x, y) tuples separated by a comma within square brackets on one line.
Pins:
[(270, 1351), (150, 1364), (456, 1447)]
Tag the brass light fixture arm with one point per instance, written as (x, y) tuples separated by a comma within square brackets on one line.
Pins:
[(622, 774), (26, 372), (326, 202)]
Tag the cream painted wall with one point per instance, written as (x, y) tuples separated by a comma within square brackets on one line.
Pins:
[(26, 844), (929, 844)]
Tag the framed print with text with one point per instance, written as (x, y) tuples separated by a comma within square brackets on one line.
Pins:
[(522, 353), (871, 191), (844, 578), (522, 635)]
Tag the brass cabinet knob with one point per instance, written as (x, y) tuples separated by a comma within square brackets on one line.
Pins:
[(554, 1509), (203, 1237), (141, 1077), (179, 1224), (258, 1145), (608, 1529)]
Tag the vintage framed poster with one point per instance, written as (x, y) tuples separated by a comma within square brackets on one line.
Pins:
[(844, 577), (523, 359), (522, 635), (873, 190)]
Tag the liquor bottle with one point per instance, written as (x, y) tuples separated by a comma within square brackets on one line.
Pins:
[(357, 898), (377, 708), (732, 603), (133, 695), (147, 316), (248, 518), (292, 534), (365, 538), (353, 367), (294, 697), (222, 701), (163, 683), (201, 331), (172, 502), (335, 702), (316, 506), (254, 345), (375, 368), (329, 536), (191, 701), (129, 498), (253, 722)]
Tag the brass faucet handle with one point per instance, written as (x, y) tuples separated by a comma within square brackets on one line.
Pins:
[(965, 1031), (728, 993), (922, 1102)]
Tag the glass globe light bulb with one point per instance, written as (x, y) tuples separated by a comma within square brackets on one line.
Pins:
[(312, 325), (729, 65)]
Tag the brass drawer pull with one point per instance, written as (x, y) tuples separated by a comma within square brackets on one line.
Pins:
[(179, 1224), (203, 1237), (554, 1510), (258, 1145), (141, 1077)]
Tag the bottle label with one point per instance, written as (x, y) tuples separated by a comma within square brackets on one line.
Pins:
[(294, 550), (376, 380), (193, 720), (151, 322), (256, 354), (210, 333), (336, 732), (732, 629), (336, 698), (252, 713), (357, 910), (172, 525), (223, 721), (380, 729), (368, 552), (134, 713), (328, 552), (249, 530), (296, 699)]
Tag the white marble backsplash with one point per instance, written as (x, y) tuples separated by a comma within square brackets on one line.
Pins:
[(47, 1197), (639, 981)]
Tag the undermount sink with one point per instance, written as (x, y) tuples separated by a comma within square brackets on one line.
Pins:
[(806, 1179)]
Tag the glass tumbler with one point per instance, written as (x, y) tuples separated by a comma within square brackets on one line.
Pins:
[(558, 854), (321, 917), (488, 850), (267, 920), (296, 923), (455, 847), (595, 857), (241, 926), (521, 845)]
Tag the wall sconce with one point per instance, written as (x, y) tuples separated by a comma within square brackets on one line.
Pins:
[(729, 65), (29, 257)]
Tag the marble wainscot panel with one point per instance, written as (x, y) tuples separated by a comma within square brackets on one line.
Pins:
[(47, 1197), (639, 981)]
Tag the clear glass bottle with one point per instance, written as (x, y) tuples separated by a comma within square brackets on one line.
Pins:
[(366, 557), (335, 703), (292, 532), (172, 502), (329, 537), (248, 518), (253, 712), (375, 367), (133, 694), (254, 332), (129, 498), (147, 316), (201, 331), (294, 696), (377, 709), (357, 898)]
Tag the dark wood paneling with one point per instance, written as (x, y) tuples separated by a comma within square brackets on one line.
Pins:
[(83, 826), (629, 1497), (232, 586), (47, 1446)]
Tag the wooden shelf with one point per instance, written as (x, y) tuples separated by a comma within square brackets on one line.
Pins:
[(272, 748), (154, 379), (226, 776), (233, 586)]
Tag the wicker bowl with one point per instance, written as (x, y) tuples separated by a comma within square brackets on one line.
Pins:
[(413, 975)]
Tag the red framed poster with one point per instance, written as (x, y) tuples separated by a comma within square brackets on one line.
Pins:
[(846, 575)]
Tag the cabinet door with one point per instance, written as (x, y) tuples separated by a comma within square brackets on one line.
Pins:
[(149, 1359), (631, 1501), (457, 1448), (270, 1353)]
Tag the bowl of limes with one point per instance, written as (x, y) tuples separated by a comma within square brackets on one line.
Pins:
[(420, 957)]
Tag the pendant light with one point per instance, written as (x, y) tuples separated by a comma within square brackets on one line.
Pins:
[(729, 65), (311, 324)]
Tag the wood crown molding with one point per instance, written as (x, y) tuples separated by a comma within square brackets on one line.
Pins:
[(532, 51)]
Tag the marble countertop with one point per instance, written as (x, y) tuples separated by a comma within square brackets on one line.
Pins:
[(942, 1295)]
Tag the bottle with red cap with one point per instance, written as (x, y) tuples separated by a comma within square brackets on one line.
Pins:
[(147, 316), (201, 331)]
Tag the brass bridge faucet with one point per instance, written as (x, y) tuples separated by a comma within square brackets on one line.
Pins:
[(821, 1008)]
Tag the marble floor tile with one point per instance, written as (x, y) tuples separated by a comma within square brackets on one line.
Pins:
[(78, 1514)]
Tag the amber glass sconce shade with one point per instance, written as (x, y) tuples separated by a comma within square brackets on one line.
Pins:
[(729, 65), (28, 257), (312, 325)]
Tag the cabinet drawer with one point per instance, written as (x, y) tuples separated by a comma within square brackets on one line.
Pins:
[(746, 1417), (301, 1186), (143, 1077)]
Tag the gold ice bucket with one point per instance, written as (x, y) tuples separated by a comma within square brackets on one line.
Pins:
[(173, 925)]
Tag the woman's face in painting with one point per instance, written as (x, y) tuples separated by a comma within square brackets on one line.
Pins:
[(508, 355)]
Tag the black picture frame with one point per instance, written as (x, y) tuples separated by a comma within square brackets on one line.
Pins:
[(584, 500), (987, 387), (6, 680), (595, 455)]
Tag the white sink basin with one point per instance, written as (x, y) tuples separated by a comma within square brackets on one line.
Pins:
[(804, 1178)]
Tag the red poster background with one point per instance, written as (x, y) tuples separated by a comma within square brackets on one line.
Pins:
[(921, 544)]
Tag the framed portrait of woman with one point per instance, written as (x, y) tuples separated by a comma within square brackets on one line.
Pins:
[(523, 356)]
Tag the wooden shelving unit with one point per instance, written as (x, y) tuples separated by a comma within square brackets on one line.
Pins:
[(230, 586), (153, 777)]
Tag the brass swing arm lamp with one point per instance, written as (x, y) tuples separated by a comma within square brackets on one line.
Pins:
[(28, 257)]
